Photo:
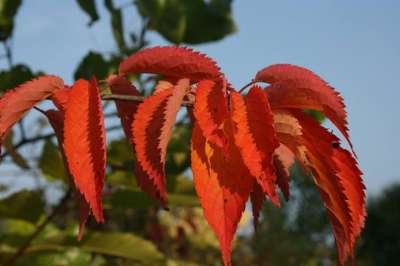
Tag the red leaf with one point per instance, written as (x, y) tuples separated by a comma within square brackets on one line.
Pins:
[(350, 177), (84, 143), (56, 119), (171, 61), (126, 111), (16, 103), (255, 137), (338, 178), (257, 198), (297, 87), (223, 185), (151, 128), (211, 110)]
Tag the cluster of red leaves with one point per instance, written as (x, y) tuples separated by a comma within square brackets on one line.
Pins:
[(242, 145)]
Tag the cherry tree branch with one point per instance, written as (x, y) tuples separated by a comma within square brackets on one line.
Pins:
[(133, 98), (246, 86), (106, 97)]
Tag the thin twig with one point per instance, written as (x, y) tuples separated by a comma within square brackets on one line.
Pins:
[(44, 137), (134, 98), (246, 86), (21, 251), (22, 129)]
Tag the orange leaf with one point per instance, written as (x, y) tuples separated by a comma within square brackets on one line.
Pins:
[(223, 185), (255, 137), (56, 119), (16, 103), (60, 98), (84, 143), (297, 87), (211, 110), (171, 61), (151, 128)]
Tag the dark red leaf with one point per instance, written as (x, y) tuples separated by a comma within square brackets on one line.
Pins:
[(126, 109), (151, 128), (257, 198)]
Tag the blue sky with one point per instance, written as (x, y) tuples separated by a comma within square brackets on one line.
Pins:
[(354, 45)]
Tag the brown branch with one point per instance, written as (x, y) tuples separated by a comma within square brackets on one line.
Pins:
[(246, 86), (133, 98), (106, 97), (21, 251)]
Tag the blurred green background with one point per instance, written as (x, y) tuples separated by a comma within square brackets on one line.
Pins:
[(136, 231)]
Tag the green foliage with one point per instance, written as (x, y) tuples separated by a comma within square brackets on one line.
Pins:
[(380, 243), (94, 65), (89, 7), (14, 76), (8, 11), (122, 245), (24, 205), (117, 25), (192, 22), (55, 170)]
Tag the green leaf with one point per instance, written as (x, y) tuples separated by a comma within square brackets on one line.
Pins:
[(116, 24), (122, 245), (318, 115), (16, 227), (51, 162), (178, 150), (60, 257), (17, 75), (89, 7), (119, 153), (8, 11), (192, 22), (24, 205), (124, 178), (93, 64)]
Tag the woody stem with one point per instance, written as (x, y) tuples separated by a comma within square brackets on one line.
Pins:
[(133, 98), (246, 86)]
